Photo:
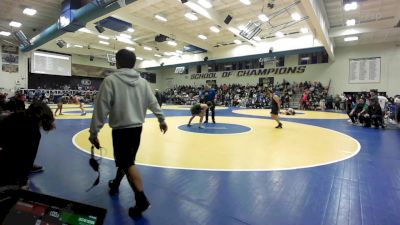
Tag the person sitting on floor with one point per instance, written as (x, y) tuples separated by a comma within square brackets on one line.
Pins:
[(374, 115), (355, 113), (290, 112)]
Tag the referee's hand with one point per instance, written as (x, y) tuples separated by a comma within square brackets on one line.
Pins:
[(163, 127)]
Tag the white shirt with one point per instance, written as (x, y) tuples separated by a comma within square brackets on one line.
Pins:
[(382, 102)]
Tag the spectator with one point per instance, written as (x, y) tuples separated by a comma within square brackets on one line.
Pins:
[(16, 103), (159, 97), (357, 112), (17, 155), (374, 115)]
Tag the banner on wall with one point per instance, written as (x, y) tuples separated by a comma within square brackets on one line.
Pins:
[(9, 58), (250, 72), (365, 70)]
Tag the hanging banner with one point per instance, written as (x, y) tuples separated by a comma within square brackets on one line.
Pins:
[(9, 58), (251, 72)]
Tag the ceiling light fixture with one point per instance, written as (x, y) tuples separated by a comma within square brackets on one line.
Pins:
[(29, 11), (5, 33), (233, 30), (15, 24), (130, 30), (172, 43), (130, 49), (257, 38), (64, 21), (263, 17), (352, 38), (161, 18), (158, 55), (246, 2), (104, 42), (127, 36), (205, 3), (179, 51), (78, 46), (279, 34), (85, 30), (296, 16), (147, 48), (304, 30), (191, 16), (351, 22), (241, 27), (103, 37), (350, 6), (140, 58), (214, 29), (238, 42), (201, 36), (124, 40)]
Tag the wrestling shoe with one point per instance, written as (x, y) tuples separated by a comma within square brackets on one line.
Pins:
[(279, 125), (202, 127), (142, 204), (113, 187), (83, 114)]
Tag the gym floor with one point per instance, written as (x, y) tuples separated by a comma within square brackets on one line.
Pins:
[(318, 169)]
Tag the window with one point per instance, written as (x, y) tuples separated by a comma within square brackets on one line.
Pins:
[(198, 70), (280, 61), (313, 58)]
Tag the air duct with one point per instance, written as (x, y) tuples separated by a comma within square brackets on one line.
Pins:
[(80, 16)]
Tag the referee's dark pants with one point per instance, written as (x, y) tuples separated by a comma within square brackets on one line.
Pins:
[(212, 109)]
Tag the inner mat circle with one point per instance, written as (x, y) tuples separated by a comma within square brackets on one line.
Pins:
[(215, 128), (187, 107), (300, 114), (263, 148)]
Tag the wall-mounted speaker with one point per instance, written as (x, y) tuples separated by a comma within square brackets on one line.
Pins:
[(205, 59), (61, 43), (91, 58), (228, 19), (100, 29)]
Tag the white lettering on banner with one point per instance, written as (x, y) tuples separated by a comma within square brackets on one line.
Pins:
[(253, 72)]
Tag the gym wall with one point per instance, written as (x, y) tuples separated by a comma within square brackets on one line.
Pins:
[(337, 71)]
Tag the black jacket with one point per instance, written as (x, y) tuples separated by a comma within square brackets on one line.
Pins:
[(19, 141)]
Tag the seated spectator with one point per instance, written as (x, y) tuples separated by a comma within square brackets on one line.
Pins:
[(20, 137), (374, 115), (16, 103), (358, 110), (3, 103)]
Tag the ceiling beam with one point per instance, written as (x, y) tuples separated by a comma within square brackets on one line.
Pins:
[(317, 17), (374, 26)]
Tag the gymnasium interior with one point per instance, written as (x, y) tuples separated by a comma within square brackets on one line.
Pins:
[(333, 64)]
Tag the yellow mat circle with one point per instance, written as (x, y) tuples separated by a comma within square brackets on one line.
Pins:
[(300, 114), (264, 148)]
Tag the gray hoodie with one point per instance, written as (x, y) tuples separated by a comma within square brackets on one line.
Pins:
[(124, 96)]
